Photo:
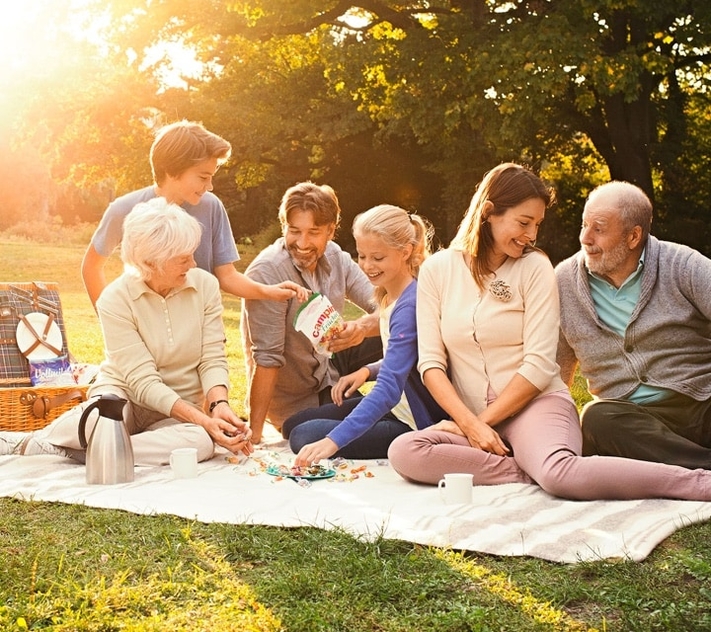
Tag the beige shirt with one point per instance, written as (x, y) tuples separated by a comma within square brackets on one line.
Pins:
[(161, 349), (269, 338), (482, 340)]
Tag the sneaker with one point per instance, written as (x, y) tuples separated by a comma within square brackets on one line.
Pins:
[(11, 441), (32, 446)]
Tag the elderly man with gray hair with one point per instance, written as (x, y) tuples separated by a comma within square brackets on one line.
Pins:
[(636, 317)]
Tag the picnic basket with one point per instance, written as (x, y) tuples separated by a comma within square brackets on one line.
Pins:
[(24, 407), (27, 408)]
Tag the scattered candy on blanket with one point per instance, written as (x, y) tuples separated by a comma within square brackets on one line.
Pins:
[(303, 482), (339, 463), (355, 470), (263, 465)]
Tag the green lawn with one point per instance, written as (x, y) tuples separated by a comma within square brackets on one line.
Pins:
[(68, 567)]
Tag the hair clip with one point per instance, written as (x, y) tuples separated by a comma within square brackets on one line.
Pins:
[(501, 290)]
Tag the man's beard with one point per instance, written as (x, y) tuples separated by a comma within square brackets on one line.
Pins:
[(609, 261), (303, 260)]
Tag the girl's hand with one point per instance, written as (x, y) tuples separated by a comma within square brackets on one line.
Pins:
[(349, 384), (314, 452)]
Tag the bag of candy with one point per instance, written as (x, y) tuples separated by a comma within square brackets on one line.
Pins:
[(319, 321)]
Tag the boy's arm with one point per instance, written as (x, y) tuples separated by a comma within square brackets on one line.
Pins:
[(234, 282), (92, 273)]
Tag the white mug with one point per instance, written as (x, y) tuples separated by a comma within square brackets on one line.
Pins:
[(456, 488), (183, 461)]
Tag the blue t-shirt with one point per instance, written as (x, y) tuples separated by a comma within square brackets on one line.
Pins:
[(217, 245)]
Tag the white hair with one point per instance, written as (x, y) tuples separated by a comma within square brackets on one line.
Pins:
[(154, 232)]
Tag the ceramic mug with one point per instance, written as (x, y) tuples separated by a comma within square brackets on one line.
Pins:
[(183, 462), (456, 489)]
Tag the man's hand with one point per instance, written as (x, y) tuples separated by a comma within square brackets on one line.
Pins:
[(348, 384), (351, 335)]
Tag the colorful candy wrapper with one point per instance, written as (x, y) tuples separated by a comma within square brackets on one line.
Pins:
[(319, 321), (52, 372)]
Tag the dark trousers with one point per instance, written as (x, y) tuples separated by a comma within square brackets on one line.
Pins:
[(349, 360), (676, 431), (313, 424)]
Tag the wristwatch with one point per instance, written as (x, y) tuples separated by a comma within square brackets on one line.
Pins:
[(216, 402)]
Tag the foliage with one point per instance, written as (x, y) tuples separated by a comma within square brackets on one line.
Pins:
[(404, 102), (54, 231)]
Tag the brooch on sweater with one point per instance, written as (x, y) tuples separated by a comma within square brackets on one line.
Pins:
[(501, 290)]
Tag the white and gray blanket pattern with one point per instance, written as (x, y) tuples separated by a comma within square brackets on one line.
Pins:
[(512, 519)]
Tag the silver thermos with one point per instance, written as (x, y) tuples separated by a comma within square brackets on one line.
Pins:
[(109, 454)]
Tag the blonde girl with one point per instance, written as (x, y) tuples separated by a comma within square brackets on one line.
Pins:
[(391, 245)]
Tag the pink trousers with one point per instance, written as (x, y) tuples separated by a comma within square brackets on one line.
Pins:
[(547, 443)]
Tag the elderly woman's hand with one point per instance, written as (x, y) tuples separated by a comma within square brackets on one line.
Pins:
[(229, 431)]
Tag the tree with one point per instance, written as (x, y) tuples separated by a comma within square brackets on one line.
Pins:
[(308, 89), (528, 79), (75, 118), (476, 81)]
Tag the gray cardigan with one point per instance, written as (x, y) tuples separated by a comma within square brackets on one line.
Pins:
[(668, 340)]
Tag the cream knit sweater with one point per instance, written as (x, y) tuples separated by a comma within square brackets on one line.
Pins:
[(480, 339)]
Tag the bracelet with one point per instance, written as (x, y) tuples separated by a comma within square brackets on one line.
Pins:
[(216, 402)]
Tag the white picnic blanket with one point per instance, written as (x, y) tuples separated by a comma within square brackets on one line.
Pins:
[(512, 519)]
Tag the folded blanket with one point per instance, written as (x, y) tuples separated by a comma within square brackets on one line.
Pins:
[(369, 500)]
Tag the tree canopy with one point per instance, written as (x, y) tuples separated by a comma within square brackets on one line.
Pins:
[(402, 102)]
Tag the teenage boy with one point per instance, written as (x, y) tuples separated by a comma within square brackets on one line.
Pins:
[(184, 158)]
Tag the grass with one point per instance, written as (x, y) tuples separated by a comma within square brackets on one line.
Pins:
[(69, 567)]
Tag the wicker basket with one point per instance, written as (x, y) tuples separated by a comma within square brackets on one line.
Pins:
[(27, 408)]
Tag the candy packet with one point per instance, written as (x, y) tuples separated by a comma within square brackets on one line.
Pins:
[(52, 372), (319, 321)]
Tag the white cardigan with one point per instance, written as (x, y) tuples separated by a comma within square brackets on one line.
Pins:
[(480, 339)]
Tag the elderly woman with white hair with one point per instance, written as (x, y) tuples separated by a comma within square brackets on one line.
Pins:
[(165, 349)]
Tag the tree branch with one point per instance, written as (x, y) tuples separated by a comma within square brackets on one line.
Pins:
[(400, 18)]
